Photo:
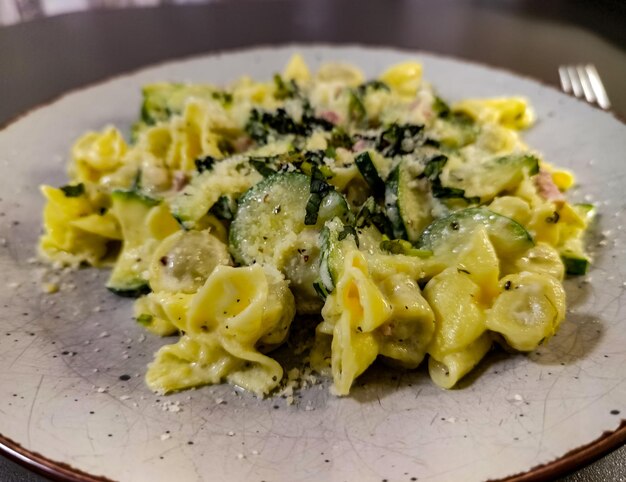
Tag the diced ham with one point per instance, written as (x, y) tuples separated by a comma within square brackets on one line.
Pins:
[(546, 187), (180, 180), (359, 145), (242, 143), (330, 116)]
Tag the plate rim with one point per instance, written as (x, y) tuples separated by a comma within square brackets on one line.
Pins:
[(575, 459)]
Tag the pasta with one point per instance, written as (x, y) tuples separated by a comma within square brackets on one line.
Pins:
[(411, 229)]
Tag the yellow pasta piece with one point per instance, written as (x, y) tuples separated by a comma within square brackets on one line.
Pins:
[(65, 241), (452, 367), (405, 337), (355, 309), (346, 74), (162, 313), (512, 207), (236, 312), (404, 78), (104, 225), (542, 259), (297, 69), (479, 261), (96, 154), (510, 112), (528, 310), (460, 319)]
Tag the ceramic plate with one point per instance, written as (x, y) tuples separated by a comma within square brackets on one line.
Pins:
[(72, 395)]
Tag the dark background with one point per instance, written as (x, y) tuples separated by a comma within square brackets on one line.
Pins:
[(43, 58)]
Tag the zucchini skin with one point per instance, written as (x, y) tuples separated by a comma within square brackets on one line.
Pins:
[(369, 172), (392, 204), (134, 292), (516, 239), (575, 265)]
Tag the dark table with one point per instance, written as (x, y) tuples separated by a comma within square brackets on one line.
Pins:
[(40, 60)]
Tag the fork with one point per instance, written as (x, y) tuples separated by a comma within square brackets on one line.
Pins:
[(584, 80)]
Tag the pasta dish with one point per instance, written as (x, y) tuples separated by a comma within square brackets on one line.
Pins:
[(410, 229)]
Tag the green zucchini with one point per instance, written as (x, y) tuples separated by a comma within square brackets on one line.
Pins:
[(335, 241), (269, 228), (485, 181), (128, 277), (271, 210), (407, 203), (368, 170), (228, 177), (509, 238), (575, 264)]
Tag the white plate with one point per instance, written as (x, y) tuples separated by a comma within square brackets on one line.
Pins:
[(513, 414)]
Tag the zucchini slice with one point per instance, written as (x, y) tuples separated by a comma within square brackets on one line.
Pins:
[(485, 181), (144, 221), (572, 251), (408, 203), (509, 238), (369, 172), (336, 240), (269, 228), (272, 210), (229, 177)]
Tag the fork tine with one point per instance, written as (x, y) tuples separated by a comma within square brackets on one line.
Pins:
[(575, 80), (598, 87), (566, 84), (586, 84)]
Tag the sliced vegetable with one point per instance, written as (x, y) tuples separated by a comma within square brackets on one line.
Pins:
[(319, 189), (73, 190), (509, 238), (228, 177), (369, 172), (335, 241), (144, 222), (400, 139), (272, 210), (407, 203), (371, 214), (487, 180)]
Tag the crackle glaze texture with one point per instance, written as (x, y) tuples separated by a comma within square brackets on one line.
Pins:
[(72, 363)]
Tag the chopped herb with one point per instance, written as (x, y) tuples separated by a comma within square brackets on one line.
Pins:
[(226, 98), (319, 189), (554, 218), (285, 90), (400, 139), (356, 108), (373, 85), (261, 167), (320, 289), (144, 319), (73, 191), (348, 231), (204, 164), (441, 108), (224, 208), (401, 246), (340, 138)]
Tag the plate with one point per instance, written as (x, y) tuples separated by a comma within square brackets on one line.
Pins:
[(72, 396)]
